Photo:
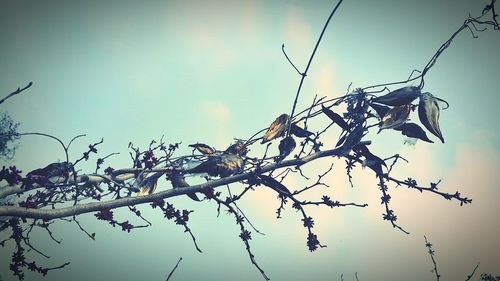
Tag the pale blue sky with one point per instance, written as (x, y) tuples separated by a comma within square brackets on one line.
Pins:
[(213, 71)]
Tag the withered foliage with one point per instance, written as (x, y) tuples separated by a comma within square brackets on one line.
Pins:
[(61, 191)]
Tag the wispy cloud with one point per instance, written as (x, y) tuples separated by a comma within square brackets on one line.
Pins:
[(216, 111), (297, 30), (219, 115)]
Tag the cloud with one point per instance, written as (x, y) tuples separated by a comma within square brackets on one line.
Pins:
[(297, 31), (252, 21), (324, 81), (216, 111), (218, 115)]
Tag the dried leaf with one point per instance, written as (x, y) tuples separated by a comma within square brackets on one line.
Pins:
[(238, 148), (277, 128), (287, 145), (274, 184), (399, 97), (52, 173), (203, 148), (299, 132), (223, 166), (52, 170), (148, 185), (335, 118), (428, 113), (413, 130)]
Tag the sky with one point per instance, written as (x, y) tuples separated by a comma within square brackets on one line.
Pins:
[(211, 71)]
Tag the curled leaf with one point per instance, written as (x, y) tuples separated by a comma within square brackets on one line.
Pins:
[(299, 132), (238, 148), (335, 118), (223, 166), (395, 117), (51, 171), (148, 185), (277, 128), (274, 184), (203, 148), (413, 130), (399, 97), (428, 113)]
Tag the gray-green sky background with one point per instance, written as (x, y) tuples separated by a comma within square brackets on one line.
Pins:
[(211, 71)]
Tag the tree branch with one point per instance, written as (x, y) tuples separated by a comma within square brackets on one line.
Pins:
[(173, 269), (18, 91), (117, 203)]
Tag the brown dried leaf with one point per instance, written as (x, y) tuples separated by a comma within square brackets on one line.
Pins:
[(277, 128), (203, 148)]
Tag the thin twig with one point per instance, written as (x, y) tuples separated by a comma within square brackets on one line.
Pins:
[(304, 74), (431, 253), (173, 269), (18, 91), (473, 272), (286, 56)]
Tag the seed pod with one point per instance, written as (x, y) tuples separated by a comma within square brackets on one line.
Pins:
[(395, 117), (428, 113), (413, 130), (399, 97), (202, 148), (277, 128)]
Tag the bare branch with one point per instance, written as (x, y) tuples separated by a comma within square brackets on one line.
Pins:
[(117, 203), (173, 269), (304, 74), (431, 252), (18, 91), (472, 273)]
